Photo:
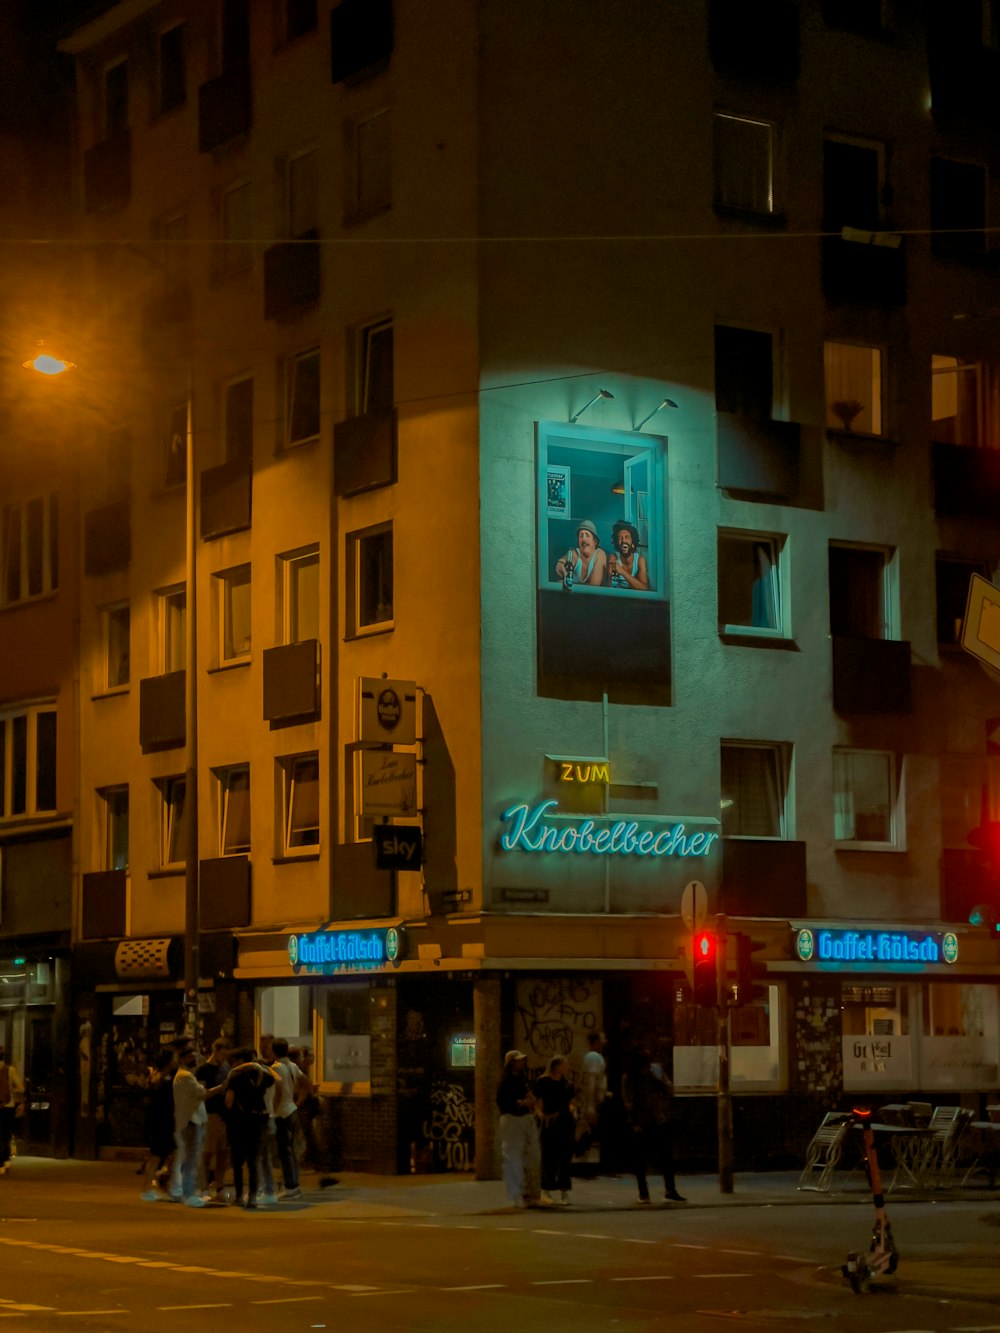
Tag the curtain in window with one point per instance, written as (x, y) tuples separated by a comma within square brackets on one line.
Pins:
[(853, 388), (862, 798), (751, 792), (765, 590)]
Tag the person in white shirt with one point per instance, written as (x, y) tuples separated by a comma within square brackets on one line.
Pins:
[(289, 1090), (11, 1104), (593, 1092), (190, 1118)]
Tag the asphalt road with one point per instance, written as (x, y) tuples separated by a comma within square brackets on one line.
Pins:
[(98, 1259)]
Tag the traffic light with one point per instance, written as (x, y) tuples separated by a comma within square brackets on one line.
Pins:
[(704, 970), (751, 983)]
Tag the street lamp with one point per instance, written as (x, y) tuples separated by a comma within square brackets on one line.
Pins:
[(44, 363)]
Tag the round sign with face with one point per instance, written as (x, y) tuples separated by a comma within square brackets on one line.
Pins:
[(389, 709), (805, 945)]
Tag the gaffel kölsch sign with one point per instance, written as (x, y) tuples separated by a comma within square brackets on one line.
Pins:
[(328, 952), (875, 949)]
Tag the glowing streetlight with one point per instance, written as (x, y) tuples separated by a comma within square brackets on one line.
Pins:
[(45, 364)]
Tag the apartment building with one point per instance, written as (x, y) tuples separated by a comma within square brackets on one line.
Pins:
[(594, 432)]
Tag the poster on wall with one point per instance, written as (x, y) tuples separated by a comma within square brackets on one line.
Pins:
[(602, 556)]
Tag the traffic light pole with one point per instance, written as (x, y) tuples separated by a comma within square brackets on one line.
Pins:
[(724, 1100)]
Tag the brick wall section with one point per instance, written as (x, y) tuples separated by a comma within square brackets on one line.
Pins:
[(360, 1133)]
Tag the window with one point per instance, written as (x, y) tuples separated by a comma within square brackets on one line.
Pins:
[(302, 415), (371, 179), (297, 17), (853, 378), (303, 194), (115, 804), (369, 564), (876, 1037), (116, 99), (300, 596), (858, 593), (28, 761), (744, 166), (118, 464), (173, 69), (172, 621), (300, 802), (853, 184), (753, 790), (177, 430), (235, 34), (237, 228), (959, 412), (958, 207), (30, 555), (346, 1015), (239, 422), (232, 589), (360, 36), (952, 576), (374, 388), (234, 810), (744, 372), (173, 822), (750, 597), (116, 625), (172, 233), (865, 799)]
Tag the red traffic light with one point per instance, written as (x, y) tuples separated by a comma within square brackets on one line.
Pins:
[(705, 980), (986, 838), (705, 946)]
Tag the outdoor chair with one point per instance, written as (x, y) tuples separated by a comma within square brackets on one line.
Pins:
[(824, 1152), (948, 1124)]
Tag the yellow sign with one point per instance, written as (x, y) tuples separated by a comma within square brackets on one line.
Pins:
[(584, 772)]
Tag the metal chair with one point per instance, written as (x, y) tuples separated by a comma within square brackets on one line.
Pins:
[(948, 1124), (824, 1152)]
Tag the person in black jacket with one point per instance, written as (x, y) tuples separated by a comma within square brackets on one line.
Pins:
[(518, 1131), (558, 1128), (648, 1096)]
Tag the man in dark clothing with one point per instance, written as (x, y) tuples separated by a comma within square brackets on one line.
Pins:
[(211, 1075), (248, 1081), (648, 1097)]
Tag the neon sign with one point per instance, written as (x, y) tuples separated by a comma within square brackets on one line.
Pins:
[(570, 772), (330, 951), (892, 948), (529, 833)]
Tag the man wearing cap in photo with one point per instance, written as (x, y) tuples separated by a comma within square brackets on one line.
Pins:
[(519, 1132), (586, 564)]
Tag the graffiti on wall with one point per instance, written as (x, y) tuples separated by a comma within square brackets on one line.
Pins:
[(450, 1127), (555, 1016)]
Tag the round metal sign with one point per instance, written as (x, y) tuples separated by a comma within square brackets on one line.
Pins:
[(694, 905)]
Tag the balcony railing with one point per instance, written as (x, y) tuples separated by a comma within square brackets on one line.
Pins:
[(291, 277), (364, 452), (226, 499), (107, 539), (292, 681), (107, 172), (161, 712)]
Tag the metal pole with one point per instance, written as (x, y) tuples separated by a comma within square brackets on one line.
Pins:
[(192, 936), (724, 1102)]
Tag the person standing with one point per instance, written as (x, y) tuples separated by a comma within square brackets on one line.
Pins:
[(558, 1129), (518, 1131), (190, 1118), (648, 1096), (211, 1075), (160, 1122), (592, 1094), (11, 1107), (246, 1089), (290, 1088)]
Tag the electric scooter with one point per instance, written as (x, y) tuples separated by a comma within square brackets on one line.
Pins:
[(882, 1259)]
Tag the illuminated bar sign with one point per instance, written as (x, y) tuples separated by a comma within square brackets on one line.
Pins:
[(330, 951), (529, 832), (909, 949)]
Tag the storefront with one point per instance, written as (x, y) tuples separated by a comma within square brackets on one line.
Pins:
[(33, 1031)]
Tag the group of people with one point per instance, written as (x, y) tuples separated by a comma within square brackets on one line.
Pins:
[(237, 1105), (11, 1107), (590, 566), (544, 1124)]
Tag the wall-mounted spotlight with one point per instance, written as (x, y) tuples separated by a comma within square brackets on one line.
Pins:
[(667, 402), (601, 393)]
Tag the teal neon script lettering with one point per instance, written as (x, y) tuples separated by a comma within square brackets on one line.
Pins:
[(528, 832)]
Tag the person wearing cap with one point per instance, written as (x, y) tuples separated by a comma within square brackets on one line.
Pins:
[(626, 564), (587, 563), (518, 1132), (11, 1106)]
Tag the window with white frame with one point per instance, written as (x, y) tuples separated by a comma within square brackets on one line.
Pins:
[(116, 625), (239, 421), (299, 595), (866, 799), (28, 761), (172, 625), (369, 569), (754, 784), (232, 591), (299, 776), (303, 194), (301, 384), (175, 471), (964, 402), (114, 805), (853, 376), (374, 388), (172, 68), (173, 822), (29, 547), (370, 181), (237, 228), (744, 163), (750, 595), (234, 810), (860, 600)]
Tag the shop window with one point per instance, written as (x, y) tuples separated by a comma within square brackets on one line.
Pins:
[(234, 810), (853, 376), (875, 1037), (171, 606), (116, 624), (961, 1037), (756, 1062), (299, 596), (239, 421), (237, 228), (744, 164), (952, 577), (28, 762), (750, 593), (859, 600), (175, 473), (172, 69), (373, 390), (301, 394), (370, 574), (300, 803), (114, 801), (753, 790), (173, 822), (29, 548), (285, 1011), (958, 207), (744, 372), (345, 1012), (370, 179), (867, 809), (853, 184), (232, 596)]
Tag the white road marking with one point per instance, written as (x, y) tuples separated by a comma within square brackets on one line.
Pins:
[(564, 1282), (70, 1314), (592, 1235), (217, 1305), (352, 1287), (393, 1291), (652, 1277), (287, 1300), (797, 1259), (635, 1240), (750, 1253), (22, 1307), (683, 1245), (976, 1328), (704, 1275), (540, 1231), (483, 1286)]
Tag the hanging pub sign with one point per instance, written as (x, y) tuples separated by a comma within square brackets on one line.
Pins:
[(388, 783), (387, 711), (875, 950), (398, 847), (327, 952)]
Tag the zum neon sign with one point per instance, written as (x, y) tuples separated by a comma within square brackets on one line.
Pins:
[(529, 833)]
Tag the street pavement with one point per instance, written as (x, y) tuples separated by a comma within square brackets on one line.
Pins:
[(945, 1269)]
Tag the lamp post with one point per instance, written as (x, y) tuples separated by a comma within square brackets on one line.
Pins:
[(44, 363)]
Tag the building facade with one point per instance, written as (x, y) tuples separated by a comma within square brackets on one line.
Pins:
[(590, 483)]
